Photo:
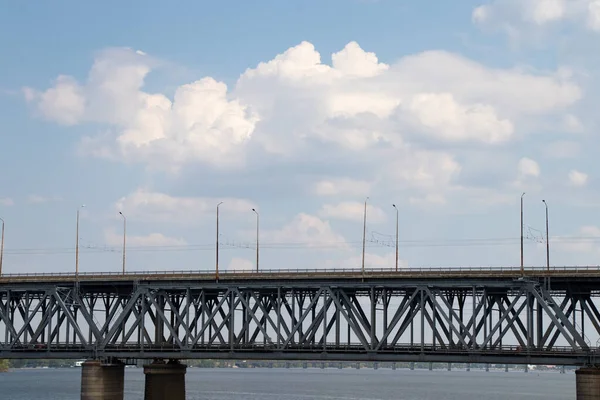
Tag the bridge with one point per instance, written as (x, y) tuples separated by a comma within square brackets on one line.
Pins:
[(463, 315)]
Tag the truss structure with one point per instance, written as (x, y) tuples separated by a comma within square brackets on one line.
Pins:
[(512, 321)]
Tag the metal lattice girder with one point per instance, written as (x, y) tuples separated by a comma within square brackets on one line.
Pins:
[(479, 320)]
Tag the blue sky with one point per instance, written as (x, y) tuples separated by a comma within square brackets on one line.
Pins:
[(299, 109)]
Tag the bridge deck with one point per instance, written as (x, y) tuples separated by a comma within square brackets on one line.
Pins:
[(313, 274)]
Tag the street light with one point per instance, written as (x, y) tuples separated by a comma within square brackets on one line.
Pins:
[(1, 246), (257, 227), (522, 268), (364, 236), (217, 246), (547, 239), (393, 205), (77, 242), (124, 238)]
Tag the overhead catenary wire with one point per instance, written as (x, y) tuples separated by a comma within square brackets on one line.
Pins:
[(305, 245)]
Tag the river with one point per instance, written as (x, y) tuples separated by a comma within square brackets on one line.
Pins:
[(310, 384)]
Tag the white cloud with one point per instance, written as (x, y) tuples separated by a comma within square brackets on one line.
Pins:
[(577, 178), (64, 102), (6, 201), (446, 119), (295, 103), (154, 206), (528, 168), (342, 187), (353, 211), (514, 14), (307, 229), (154, 239), (199, 124), (241, 264)]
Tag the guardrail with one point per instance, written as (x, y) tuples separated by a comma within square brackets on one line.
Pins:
[(318, 271)]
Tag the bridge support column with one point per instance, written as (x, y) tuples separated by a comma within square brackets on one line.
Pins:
[(102, 381), (487, 367), (431, 366), (393, 366), (468, 366), (412, 366), (165, 381), (449, 366), (587, 383), (505, 367)]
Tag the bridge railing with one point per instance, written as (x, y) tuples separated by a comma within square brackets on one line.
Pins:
[(279, 271)]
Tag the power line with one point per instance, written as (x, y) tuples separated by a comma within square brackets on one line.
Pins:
[(323, 245)]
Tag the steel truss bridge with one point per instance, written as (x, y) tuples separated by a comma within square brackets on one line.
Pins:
[(483, 315)]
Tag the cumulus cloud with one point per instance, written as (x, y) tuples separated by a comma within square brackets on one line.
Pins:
[(295, 101), (446, 119), (400, 124), (154, 239), (528, 168), (160, 207), (200, 123), (307, 229), (577, 178), (352, 211), (511, 15)]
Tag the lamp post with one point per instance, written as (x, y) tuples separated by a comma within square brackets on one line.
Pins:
[(257, 231), (217, 246), (522, 267), (124, 238), (364, 236), (1, 246), (393, 205), (77, 243), (547, 245)]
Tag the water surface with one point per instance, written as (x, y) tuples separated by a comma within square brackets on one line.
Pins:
[(310, 384)]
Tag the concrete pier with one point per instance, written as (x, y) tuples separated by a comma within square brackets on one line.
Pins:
[(505, 367), (449, 366), (102, 381), (165, 381), (431, 366), (468, 366), (587, 383), (412, 366)]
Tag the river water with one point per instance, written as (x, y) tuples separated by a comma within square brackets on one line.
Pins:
[(310, 384)]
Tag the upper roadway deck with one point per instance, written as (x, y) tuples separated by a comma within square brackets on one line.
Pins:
[(557, 274)]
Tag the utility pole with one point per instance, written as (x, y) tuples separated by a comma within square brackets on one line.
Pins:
[(1, 246), (217, 246), (393, 205), (124, 238), (77, 243), (364, 237), (522, 267), (257, 231), (547, 247)]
